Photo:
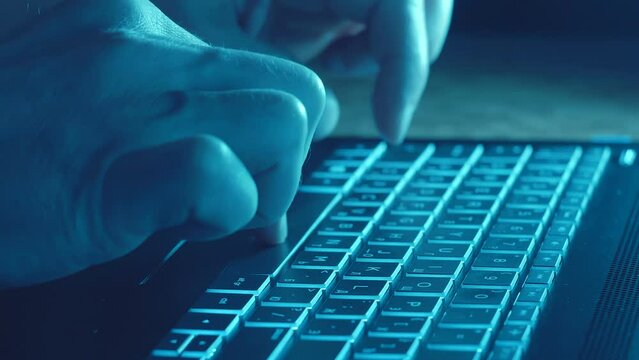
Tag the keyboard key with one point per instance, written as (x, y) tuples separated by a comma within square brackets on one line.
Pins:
[(331, 329), (484, 179), (554, 244), (491, 279), (376, 185), (405, 221), (292, 297), (344, 227), (533, 187), (365, 199), (172, 345), (452, 152), (432, 354), (373, 271), (378, 254), (440, 168), (221, 303), (503, 167), (466, 206), (498, 261), (360, 289), (463, 221), (520, 314), (439, 268), (447, 236), (347, 309), (277, 317), (444, 251), (257, 343), (510, 245), (301, 348), (548, 260), (421, 193), (561, 229), (470, 318), (306, 278), (341, 243), (206, 324), (316, 183), (514, 334), (458, 339), (540, 276), (405, 153), (481, 298), (412, 207), (203, 346), (386, 348), (385, 173), (320, 260), (569, 215), (478, 192), (534, 215), (243, 284), (395, 237), (532, 294), (504, 151), (424, 286), (412, 306), (334, 169), (362, 213), (506, 352), (516, 229), (433, 180), (527, 201), (399, 327)]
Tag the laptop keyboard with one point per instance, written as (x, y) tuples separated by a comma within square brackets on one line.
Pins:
[(446, 251)]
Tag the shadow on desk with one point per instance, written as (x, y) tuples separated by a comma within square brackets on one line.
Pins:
[(517, 89)]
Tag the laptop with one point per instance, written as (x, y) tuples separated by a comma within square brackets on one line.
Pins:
[(428, 250)]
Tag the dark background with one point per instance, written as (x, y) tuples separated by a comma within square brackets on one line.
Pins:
[(524, 69), (548, 18)]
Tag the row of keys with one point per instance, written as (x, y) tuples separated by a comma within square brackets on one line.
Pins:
[(514, 336)]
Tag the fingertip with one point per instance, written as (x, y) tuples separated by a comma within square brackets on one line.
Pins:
[(392, 115), (329, 118), (274, 234)]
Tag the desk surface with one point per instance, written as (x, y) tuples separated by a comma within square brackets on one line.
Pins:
[(517, 89)]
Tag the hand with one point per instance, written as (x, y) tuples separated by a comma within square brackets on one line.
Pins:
[(116, 124), (395, 39)]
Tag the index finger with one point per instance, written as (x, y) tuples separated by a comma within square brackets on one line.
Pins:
[(399, 42)]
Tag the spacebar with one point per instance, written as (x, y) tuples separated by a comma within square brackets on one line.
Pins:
[(306, 208)]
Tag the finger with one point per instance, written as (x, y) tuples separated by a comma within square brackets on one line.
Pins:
[(208, 69), (267, 129), (275, 233), (224, 69), (330, 117), (398, 40), (197, 185), (438, 17)]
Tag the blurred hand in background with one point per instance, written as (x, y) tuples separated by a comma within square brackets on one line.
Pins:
[(394, 40)]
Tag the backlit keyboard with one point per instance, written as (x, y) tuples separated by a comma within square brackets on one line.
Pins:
[(441, 252)]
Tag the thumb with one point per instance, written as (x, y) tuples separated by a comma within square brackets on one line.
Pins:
[(196, 188)]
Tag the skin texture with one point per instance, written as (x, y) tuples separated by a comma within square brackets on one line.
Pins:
[(118, 124)]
